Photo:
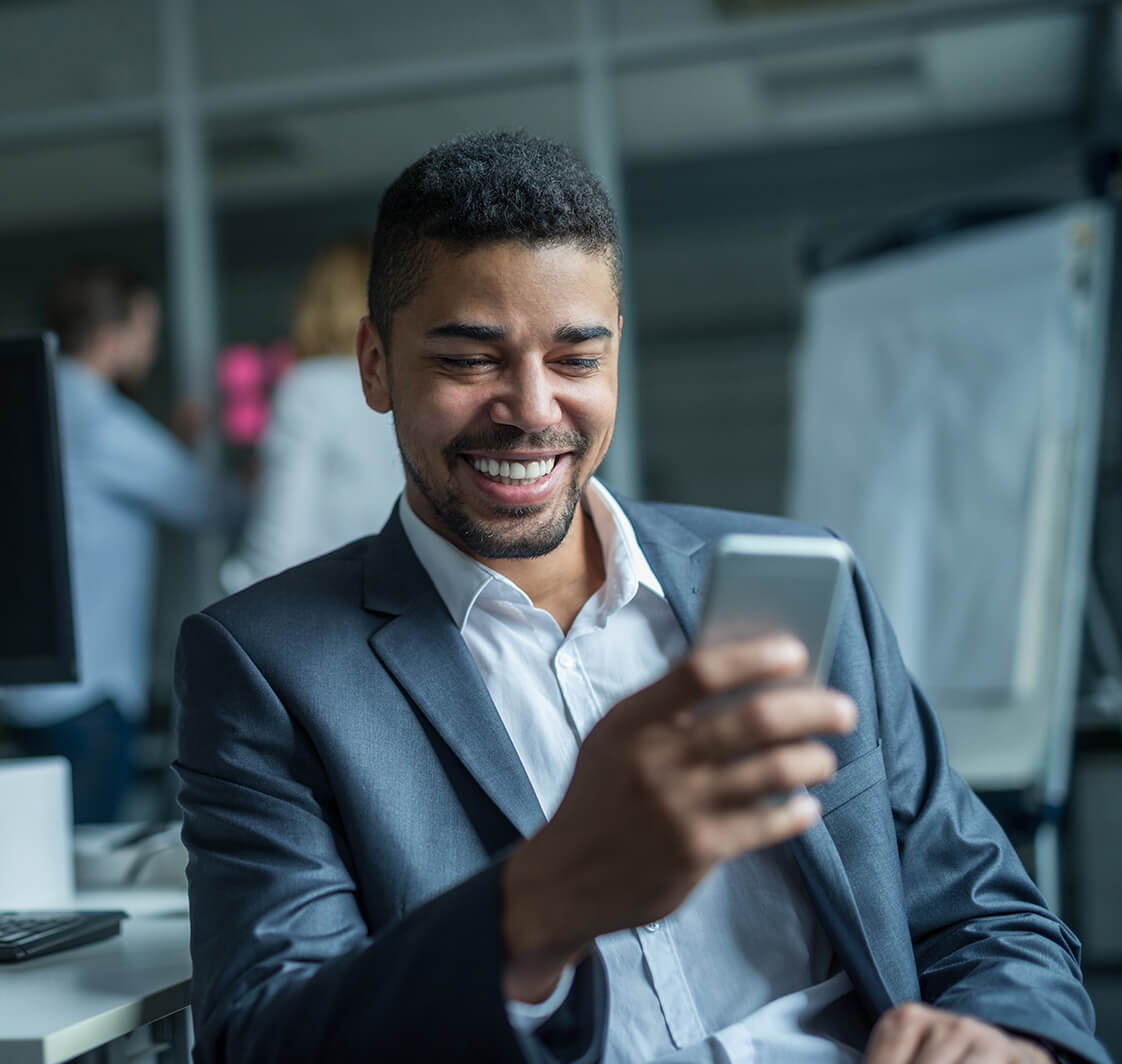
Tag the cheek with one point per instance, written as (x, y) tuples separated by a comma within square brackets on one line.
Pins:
[(596, 412), (437, 413)]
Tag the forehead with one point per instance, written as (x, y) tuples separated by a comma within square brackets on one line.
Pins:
[(511, 277)]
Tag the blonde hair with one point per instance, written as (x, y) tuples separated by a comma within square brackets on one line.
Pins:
[(331, 300)]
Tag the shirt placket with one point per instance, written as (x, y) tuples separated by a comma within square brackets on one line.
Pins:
[(577, 692), (667, 979), (669, 983)]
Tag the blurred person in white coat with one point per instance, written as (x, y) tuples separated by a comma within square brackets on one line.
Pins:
[(329, 470)]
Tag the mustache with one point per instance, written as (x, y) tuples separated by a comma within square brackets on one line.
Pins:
[(509, 438)]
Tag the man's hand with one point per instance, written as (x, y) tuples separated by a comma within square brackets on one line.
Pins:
[(662, 792), (919, 1034)]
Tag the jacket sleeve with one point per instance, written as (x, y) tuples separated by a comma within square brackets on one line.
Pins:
[(985, 944), (285, 965)]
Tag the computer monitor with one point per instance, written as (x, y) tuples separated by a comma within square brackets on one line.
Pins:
[(36, 622)]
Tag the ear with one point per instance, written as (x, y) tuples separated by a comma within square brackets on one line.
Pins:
[(372, 367)]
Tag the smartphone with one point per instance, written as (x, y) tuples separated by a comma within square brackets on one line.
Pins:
[(766, 585)]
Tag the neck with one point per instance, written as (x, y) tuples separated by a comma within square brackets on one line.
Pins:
[(562, 581), (97, 363), (559, 582)]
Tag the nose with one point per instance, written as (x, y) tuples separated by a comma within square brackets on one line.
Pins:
[(527, 400)]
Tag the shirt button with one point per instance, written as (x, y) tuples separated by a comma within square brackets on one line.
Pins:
[(651, 927)]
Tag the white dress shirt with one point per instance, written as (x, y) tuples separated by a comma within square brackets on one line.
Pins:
[(741, 971)]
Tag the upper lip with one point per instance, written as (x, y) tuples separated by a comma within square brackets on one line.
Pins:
[(514, 456)]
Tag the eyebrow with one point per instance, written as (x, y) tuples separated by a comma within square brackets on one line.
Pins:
[(462, 330), (566, 334), (578, 334)]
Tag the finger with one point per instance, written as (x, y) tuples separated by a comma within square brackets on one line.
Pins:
[(760, 826), (767, 718), (708, 672), (775, 771), (1030, 1052), (951, 1042), (898, 1034)]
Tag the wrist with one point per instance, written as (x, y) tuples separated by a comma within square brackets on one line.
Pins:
[(538, 946)]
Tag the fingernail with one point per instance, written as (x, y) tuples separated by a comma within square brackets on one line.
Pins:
[(847, 708), (785, 651), (806, 805)]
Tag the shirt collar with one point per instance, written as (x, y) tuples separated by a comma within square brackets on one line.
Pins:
[(77, 370), (460, 579)]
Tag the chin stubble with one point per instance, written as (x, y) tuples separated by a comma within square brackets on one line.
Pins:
[(482, 539)]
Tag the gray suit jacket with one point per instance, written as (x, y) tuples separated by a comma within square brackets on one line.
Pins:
[(349, 793)]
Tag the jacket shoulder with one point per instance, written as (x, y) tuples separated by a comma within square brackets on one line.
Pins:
[(710, 523), (323, 583)]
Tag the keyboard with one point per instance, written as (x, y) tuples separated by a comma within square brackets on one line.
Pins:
[(32, 933)]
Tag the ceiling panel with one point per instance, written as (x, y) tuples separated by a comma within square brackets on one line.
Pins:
[(253, 39), (62, 52)]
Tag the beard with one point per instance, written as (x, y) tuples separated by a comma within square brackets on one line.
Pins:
[(512, 533)]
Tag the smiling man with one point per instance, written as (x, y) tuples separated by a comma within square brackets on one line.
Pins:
[(444, 789)]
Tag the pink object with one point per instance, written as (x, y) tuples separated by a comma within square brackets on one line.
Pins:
[(247, 375)]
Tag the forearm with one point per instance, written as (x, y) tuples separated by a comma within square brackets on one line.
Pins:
[(429, 983)]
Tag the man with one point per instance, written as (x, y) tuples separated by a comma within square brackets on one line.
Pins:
[(123, 475), (445, 788)]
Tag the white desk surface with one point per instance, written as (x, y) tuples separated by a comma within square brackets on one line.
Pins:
[(136, 901), (56, 1007)]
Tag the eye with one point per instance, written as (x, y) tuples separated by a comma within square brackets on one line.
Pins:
[(583, 364), (454, 363)]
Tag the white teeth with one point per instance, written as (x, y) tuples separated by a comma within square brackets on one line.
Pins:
[(514, 472)]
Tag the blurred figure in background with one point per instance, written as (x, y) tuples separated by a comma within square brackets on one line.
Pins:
[(123, 475), (329, 469)]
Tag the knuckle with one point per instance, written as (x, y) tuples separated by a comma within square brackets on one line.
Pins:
[(765, 716), (786, 769), (907, 1015), (700, 673), (696, 843), (648, 773)]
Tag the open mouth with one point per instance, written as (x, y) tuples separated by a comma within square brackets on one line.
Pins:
[(520, 473)]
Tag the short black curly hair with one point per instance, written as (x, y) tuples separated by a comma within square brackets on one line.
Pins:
[(480, 189)]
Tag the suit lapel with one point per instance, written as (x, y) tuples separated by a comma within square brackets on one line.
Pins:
[(678, 558), (423, 651), (832, 894)]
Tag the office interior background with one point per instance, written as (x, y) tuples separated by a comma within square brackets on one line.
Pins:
[(749, 146)]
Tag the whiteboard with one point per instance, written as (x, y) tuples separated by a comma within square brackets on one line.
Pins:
[(946, 424), (934, 387)]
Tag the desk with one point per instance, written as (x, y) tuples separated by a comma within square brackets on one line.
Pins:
[(57, 1007)]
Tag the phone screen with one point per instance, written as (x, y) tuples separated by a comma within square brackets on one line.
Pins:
[(766, 585)]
